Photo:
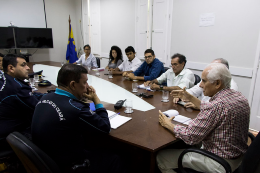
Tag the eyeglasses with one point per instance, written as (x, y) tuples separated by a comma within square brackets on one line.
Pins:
[(148, 57), (86, 49)]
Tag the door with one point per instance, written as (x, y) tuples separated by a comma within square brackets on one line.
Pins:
[(95, 36), (254, 97), (153, 28), (85, 22), (141, 28), (160, 21)]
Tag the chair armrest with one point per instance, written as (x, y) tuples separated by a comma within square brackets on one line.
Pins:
[(218, 159), (251, 136)]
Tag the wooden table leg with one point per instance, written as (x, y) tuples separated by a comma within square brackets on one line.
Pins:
[(152, 162)]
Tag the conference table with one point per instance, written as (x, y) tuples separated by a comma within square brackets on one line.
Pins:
[(143, 130)]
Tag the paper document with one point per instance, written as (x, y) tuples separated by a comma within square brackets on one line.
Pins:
[(178, 118), (144, 87), (116, 120)]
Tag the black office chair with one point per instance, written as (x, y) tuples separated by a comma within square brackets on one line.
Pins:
[(34, 159), (166, 68), (5, 157), (250, 162), (9, 159), (98, 62), (197, 79)]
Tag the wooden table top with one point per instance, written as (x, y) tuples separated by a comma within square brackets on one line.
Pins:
[(143, 130)]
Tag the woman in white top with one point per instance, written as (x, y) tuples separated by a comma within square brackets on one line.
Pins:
[(87, 59), (115, 58)]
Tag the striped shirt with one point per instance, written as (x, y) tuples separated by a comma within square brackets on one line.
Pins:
[(222, 125)]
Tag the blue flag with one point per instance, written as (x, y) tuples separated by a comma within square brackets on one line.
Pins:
[(71, 55)]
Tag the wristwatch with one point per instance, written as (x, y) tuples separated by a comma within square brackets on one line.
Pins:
[(161, 87)]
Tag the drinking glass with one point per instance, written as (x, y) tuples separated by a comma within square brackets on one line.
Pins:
[(134, 87), (32, 82), (89, 68), (165, 96), (36, 78), (128, 107), (110, 74)]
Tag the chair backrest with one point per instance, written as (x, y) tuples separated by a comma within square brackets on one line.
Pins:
[(98, 62), (251, 160), (197, 79), (33, 158), (166, 68)]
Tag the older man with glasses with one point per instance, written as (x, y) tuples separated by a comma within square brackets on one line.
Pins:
[(149, 70)]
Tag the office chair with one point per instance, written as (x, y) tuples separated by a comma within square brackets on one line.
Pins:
[(98, 62), (5, 157), (34, 159), (166, 68), (11, 164), (197, 79), (250, 162)]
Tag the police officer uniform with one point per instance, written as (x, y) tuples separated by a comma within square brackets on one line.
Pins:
[(60, 120), (17, 103)]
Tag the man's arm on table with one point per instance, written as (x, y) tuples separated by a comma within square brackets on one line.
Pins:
[(197, 129), (117, 71), (184, 95)]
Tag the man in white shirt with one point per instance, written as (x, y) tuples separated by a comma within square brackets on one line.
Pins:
[(176, 77), (128, 66), (197, 91)]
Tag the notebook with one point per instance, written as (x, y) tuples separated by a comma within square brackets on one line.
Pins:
[(179, 118), (117, 120)]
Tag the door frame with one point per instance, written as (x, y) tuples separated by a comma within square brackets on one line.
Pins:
[(253, 89)]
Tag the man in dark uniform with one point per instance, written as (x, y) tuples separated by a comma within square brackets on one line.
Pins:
[(1, 62), (61, 119), (17, 102)]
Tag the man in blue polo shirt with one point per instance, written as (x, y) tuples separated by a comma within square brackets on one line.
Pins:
[(149, 70)]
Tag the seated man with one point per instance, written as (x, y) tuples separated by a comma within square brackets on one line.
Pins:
[(151, 68), (177, 77), (17, 102), (1, 62), (197, 91), (128, 66), (221, 125), (61, 119)]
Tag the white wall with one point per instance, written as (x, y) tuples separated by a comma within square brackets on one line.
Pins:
[(117, 24), (233, 37), (21, 14), (57, 13)]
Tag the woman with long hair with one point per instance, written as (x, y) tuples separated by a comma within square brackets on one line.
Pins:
[(115, 57)]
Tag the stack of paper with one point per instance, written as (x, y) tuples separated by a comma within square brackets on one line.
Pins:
[(178, 118), (116, 120), (144, 87)]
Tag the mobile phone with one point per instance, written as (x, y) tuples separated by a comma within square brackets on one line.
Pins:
[(119, 104), (181, 103)]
